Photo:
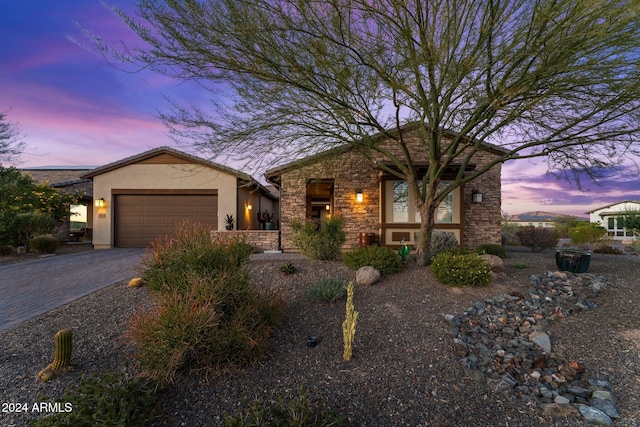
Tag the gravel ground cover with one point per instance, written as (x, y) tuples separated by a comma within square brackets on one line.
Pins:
[(403, 371)]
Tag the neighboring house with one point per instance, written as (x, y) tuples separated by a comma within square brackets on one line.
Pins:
[(143, 197), (537, 219), (607, 216), (67, 178), (341, 181)]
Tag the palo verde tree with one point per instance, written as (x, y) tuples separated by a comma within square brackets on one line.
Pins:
[(11, 144), (293, 77)]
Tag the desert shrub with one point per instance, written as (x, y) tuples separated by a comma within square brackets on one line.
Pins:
[(536, 238), (111, 400), (193, 250), (328, 289), (461, 270), (288, 268), (383, 259), (608, 249), (509, 233), (520, 265), (492, 249), (319, 241), (206, 316), (564, 224), (46, 243), (293, 411), (441, 241), (587, 232)]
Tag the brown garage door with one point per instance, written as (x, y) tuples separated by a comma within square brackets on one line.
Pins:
[(141, 218)]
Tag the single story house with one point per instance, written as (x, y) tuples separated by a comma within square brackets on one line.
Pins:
[(538, 219), (377, 204), (143, 197), (67, 178), (608, 217)]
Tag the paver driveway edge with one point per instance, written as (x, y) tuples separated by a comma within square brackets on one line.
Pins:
[(31, 288)]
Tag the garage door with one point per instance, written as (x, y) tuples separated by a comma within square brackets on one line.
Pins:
[(141, 218)]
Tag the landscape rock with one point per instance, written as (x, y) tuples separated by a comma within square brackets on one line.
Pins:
[(502, 340), (542, 339), (497, 265), (367, 276), (594, 416)]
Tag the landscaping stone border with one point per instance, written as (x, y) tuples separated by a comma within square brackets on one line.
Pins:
[(502, 340)]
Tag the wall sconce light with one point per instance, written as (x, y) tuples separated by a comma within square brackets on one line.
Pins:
[(476, 197), (327, 207), (249, 207), (359, 196), (99, 203)]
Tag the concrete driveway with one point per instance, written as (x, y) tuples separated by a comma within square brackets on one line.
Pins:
[(30, 288)]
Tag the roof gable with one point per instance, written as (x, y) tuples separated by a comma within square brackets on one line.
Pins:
[(165, 155), (409, 127)]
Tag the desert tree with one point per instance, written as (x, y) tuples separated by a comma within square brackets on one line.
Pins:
[(11, 143), (288, 78)]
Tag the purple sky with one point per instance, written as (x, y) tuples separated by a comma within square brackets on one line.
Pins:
[(73, 108)]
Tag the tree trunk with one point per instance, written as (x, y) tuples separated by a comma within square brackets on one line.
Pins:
[(427, 217)]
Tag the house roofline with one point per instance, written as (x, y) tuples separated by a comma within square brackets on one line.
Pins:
[(271, 174), (246, 179), (613, 204)]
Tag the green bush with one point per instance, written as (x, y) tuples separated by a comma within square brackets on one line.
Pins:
[(287, 412), (207, 315), (587, 232), (492, 249), (288, 268), (193, 250), (46, 244), (383, 259), (461, 270), (110, 400), (329, 290), (537, 238), (319, 241), (442, 241)]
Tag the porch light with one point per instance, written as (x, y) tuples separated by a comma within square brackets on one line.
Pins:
[(359, 196), (249, 207), (327, 207), (476, 197), (99, 203)]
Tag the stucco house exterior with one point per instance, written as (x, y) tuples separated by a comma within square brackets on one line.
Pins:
[(606, 216), (342, 181), (142, 197), (538, 219)]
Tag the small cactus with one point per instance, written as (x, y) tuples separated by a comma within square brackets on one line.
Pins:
[(62, 356), (349, 324)]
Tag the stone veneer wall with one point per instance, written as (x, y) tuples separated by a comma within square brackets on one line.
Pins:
[(351, 171), (261, 240), (482, 220)]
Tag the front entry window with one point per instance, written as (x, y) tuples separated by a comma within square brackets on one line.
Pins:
[(403, 204)]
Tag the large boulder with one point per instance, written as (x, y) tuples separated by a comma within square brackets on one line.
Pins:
[(367, 276), (497, 265)]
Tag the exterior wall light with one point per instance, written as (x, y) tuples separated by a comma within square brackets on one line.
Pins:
[(359, 196), (249, 207), (476, 197), (327, 207), (99, 203)]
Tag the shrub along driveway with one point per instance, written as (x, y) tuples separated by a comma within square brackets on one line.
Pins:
[(30, 288)]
